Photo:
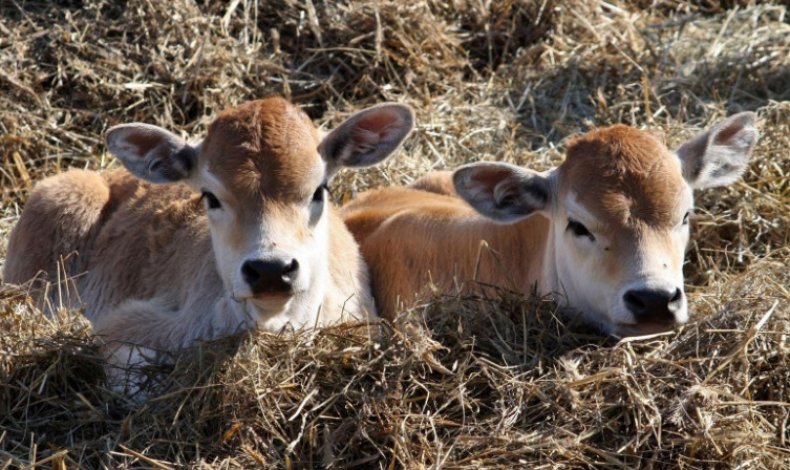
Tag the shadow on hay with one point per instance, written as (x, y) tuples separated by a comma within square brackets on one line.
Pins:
[(570, 99), (508, 328), (102, 58), (54, 394)]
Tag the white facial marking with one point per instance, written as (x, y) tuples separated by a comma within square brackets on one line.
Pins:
[(578, 212), (208, 180), (265, 237), (647, 262)]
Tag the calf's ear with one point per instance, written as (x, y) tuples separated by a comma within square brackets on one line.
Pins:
[(152, 153), (367, 137), (719, 155), (503, 192)]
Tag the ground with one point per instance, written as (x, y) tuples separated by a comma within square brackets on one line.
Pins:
[(460, 382)]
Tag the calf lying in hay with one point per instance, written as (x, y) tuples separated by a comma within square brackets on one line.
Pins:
[(610, 235), (260, 247)]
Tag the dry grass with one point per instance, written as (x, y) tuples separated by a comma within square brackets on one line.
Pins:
[(497, 382)]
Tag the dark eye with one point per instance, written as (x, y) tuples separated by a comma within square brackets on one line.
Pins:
[(318, 195), (579, 230), (686, 218), (211, 200)]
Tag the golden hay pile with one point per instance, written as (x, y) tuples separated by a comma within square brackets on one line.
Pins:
[(500, 382)]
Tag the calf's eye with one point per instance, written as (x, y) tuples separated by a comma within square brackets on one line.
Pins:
[(686, 218), (319, 194), (211, 200), (579, 230)]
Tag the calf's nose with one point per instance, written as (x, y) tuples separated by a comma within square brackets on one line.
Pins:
[(270, 276), (654, 305)]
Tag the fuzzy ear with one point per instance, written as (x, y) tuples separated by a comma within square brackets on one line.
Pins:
[(152, 153), (368, 136), (503, 192), (719, 155)]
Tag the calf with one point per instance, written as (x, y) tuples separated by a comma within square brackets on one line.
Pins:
[(199, 240), (607, 229)]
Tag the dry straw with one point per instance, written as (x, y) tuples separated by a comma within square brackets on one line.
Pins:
[(503, 382)]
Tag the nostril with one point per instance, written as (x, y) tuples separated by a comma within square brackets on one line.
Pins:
[(290, 269), (250, 274), (676, 300), (633, 302)]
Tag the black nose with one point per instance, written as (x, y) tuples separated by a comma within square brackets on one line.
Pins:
[(653, 305), (272, 276)]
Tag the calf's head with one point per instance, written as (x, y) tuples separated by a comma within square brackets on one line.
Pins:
[(619, 207), (262, 170)]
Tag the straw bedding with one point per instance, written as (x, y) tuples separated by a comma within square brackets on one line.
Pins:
[(505, 381)]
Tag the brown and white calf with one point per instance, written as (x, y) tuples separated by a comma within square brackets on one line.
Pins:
[(607, 229), (200, 240)]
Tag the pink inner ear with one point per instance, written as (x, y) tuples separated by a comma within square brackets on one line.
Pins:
[(144, 141), (376, 126), (361, 136), (490, 177), (727, 133)]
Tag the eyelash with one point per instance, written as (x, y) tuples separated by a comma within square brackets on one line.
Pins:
[(211, 200), (579, 230)]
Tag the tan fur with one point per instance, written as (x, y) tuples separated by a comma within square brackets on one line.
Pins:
[(143, 260), (627, 176), (62, 215), (410, 237), (265, 148), (439, 182)]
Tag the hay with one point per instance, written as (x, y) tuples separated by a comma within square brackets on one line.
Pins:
[(498, 382)]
